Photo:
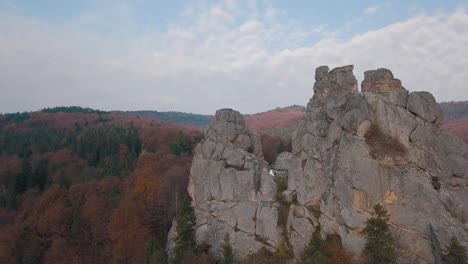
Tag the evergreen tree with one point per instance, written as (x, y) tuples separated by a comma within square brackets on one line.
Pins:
[(316, 252), (185, 231), (181, 145), (455, 253), (226, 249), (153, 253), (379, 247)]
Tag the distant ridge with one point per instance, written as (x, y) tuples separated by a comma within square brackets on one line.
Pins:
[(178, 118), (280, 121)]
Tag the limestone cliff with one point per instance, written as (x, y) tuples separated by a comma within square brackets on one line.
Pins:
[(355, 149)]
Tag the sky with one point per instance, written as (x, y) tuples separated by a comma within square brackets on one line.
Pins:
[(200, 56)]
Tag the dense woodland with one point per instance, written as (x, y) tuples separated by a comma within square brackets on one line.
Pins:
[(85, 186)]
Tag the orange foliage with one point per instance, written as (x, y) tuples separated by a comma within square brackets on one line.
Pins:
[(113, 218), (458, 127), (128, 237), (10, 166), (279, 117), (8, 235), (272, 147), (61, 252)]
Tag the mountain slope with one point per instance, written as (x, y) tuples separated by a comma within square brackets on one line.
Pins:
[(92, 187)]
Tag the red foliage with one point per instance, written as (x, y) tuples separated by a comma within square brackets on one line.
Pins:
[(10, 166), (272, 147), (279, 117), (101, 220), (458, 127)]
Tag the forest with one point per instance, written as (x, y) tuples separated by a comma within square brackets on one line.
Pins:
[(85, 186)]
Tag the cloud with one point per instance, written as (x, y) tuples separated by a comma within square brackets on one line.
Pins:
[(218, 56), (370, 10)]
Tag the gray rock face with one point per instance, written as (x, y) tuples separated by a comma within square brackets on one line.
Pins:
[(381, 146), (424, 105), (354, 150), (380, 80), (231, 188), (228, 128)]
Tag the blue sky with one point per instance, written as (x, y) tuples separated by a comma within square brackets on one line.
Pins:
[(198, 56)]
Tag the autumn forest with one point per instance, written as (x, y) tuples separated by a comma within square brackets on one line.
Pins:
[(85, 186)]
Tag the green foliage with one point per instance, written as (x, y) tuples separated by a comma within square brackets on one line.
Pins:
[(226, 250), (40, 141), (316, 251), (15, 118), (153, 253), (101, 146), (175, 117), (379, 246), (455, 253), (281, 253), (181, 145), (111, 150), (72, 109), (185, 242)]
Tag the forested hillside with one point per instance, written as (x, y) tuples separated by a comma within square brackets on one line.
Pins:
[(456, 118), (87, 186), (189, 120), (80, 185)]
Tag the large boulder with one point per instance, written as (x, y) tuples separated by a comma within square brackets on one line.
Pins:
[(380, 80), (354, 150), (424, 105)]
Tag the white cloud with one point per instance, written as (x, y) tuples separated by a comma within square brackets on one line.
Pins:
[(216, 57), (370, 10)]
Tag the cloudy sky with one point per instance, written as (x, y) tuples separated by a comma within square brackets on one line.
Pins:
[(198, 56)]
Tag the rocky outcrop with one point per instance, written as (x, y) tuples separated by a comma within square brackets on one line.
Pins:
[(380, 80), (380, 146), (355, 149), (231, 188)]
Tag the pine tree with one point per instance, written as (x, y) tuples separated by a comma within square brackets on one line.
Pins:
[(455, 253), (181, 144), (153, 253), (226, 249), (185, 231), (316, 252), (379, 247)]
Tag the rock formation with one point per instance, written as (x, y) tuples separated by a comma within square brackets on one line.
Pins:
[(355, 149)]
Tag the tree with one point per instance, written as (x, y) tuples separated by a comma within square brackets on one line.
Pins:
[(455, 253), (316, 252), (185, 231), (226, 249), (379, 246), (181, 144), (338, 255), (153, 253)]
